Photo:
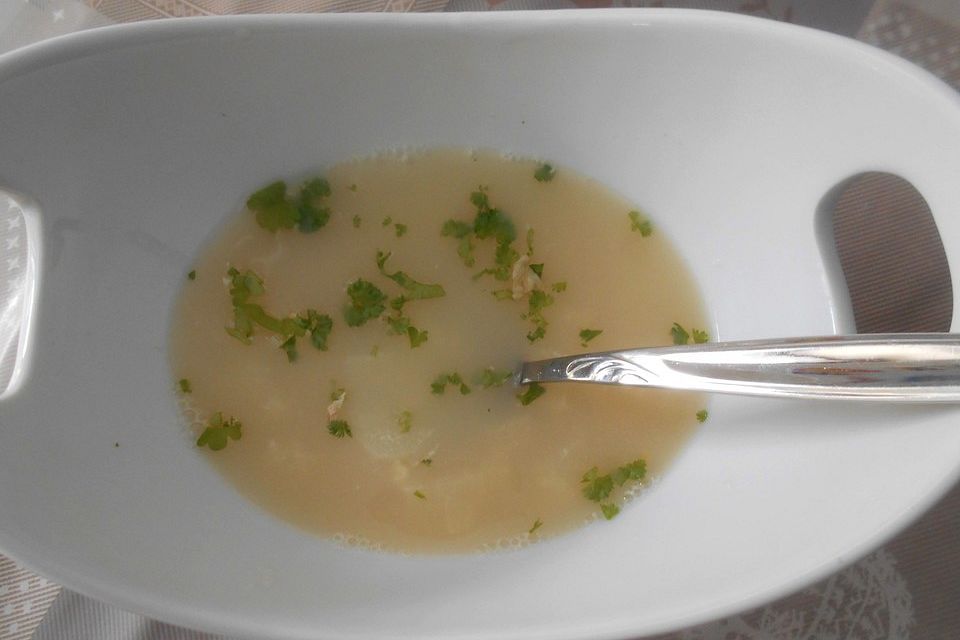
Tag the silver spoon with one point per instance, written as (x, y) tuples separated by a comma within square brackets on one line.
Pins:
[(906, 367)]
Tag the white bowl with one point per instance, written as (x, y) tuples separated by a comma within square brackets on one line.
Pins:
[(137, 141)]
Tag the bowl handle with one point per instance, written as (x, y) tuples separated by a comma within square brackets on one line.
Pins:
[(20, 253)]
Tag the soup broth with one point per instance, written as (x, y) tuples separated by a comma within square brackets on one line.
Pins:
[(406, 432)]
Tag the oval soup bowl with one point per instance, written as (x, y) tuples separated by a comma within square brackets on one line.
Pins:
[(137, 142)]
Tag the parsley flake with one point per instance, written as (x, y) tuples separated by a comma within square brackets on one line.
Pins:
[(192, 275), (536, 525), (400, 229), (682, 336), (679, 334), (414, 290), (275, 210), (586, 335), (639, 223), (219, 432), (186, 387), (597, 487), (366, 303), (387, 221), (491, 377), (702, 415), (534, 391), (356, 221), (544, 173), (419, 494), (609, 510), (427, 462), (439, 384), (339, 429)]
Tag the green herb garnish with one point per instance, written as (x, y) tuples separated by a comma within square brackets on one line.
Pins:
[(419, 494), (275, 210), (544, 173), (679, 334), (219, 432), (463, 232), (536, 303), (491, 377), (427, 462), (400, 229), (586, 335), (597, 487), (682, 336), (639, 223), (702, 415), (387, 221), (339, 429), (536, 525), (366, 303), (353, 187), (192, 275), (439, 384), (609, 510), (413, 290), (559, 287), (186, 387), (534, 391), (356, 221), (312, 216)]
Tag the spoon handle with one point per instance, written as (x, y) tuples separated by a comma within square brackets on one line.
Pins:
[(905, 367)]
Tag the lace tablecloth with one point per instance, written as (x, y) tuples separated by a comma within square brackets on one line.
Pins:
[(910, 588)]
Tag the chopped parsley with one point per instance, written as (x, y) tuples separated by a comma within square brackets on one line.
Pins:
[(639, 223), (219, 432), (186, 387), (247, 315), (702, 415), (490, 377), (597, 487), (356, 221), (353, 187), (682, 336), (192, 275), (559, 287), (400, 229), (439, 384), (414, 290), (387, 221), (319, 326), (339, 429), (275, 210), (366, 303), (536, 525), (544, 173), (536, 303), (463, 232), (427, 462), (419, 494), (609, 510), (586, 335), (405, 421), (534, 391)]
